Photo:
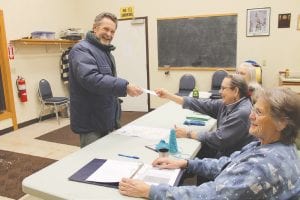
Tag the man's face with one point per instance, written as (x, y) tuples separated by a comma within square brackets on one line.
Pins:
[(105, 31)]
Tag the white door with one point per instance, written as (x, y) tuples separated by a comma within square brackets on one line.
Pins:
[(131, 60)]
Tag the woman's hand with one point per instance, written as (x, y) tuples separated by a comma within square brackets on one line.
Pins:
[(162, 93), (167, 163), (180, 132), (134, 188)]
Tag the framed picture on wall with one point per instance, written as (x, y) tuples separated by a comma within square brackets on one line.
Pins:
[(258, 22), (284, 20)]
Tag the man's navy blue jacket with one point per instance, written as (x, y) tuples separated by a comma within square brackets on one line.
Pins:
[(94, 87)]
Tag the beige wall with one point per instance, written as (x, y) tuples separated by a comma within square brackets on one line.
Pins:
[(277, 51), (37, 61)]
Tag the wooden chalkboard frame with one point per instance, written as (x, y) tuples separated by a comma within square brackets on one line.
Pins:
[(163, 25)]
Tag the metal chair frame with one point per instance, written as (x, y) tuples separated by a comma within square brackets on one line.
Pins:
[(48, 100)]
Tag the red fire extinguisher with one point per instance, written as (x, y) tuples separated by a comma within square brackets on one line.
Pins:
[(21, 86)]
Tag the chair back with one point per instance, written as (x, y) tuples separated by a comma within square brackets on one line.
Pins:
[(217, 79), (187, 82), (45, 89)]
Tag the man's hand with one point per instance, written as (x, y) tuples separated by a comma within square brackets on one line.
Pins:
[(133, 90)]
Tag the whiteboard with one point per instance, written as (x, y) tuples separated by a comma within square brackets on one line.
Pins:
[(131, 60)]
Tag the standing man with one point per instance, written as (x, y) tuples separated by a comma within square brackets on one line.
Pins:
[(94, 85)]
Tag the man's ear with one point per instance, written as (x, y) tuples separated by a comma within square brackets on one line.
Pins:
[(281, 124)]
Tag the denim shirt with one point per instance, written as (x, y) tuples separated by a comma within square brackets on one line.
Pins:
[(269, 171), (232, 123)]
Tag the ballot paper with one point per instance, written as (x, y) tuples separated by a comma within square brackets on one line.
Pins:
[(149, 91)]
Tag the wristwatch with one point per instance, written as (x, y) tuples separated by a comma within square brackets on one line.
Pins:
[(188, 134)]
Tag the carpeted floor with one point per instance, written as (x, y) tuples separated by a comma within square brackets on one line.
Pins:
[(66, 136), (14, 167), (63, 135)]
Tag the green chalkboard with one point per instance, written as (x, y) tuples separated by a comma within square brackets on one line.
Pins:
[(208, 41)]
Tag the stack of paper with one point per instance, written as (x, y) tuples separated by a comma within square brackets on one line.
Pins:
[(144, 132)]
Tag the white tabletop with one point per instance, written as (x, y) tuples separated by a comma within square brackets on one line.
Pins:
[(52, 182)]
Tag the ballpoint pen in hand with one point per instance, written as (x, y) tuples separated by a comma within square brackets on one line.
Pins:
[(127, 156)]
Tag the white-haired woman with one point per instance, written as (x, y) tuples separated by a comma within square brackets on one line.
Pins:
[(248, 71)]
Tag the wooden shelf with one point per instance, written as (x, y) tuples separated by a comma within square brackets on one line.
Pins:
[(44, 42)]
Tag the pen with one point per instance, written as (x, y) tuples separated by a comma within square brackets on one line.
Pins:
[(127, 156), (151, 148)]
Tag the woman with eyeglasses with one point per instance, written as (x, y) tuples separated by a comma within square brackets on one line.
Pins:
[(265, 169), (232, 114), (248, 71)]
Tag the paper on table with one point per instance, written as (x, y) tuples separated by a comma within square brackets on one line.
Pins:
[(197, 115), (155, 176), (144, 132), (149, 91), (113, 171)]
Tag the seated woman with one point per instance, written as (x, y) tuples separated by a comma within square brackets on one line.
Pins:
[(264, 169), (248, 71), (232, 114)]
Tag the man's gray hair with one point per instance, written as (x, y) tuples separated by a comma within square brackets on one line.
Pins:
[(102, 15)]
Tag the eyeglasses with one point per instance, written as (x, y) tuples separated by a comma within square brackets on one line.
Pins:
[(257, 112), (223, 88)]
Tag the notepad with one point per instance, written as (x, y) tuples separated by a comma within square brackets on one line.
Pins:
[(110, 172)]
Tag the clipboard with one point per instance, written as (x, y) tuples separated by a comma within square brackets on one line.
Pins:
[(83, 173)]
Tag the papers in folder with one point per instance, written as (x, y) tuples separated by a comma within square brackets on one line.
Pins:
[(114, 171), (110, 172)]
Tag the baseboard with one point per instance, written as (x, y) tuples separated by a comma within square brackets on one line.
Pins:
[(27, 123)]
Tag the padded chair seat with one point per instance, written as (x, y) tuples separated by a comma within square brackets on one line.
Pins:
[(56, 100)]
